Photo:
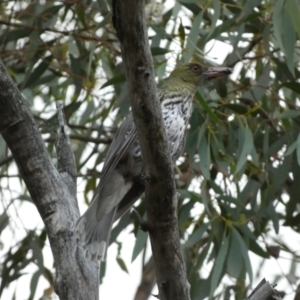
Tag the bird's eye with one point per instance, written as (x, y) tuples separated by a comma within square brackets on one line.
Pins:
[(195, 68)]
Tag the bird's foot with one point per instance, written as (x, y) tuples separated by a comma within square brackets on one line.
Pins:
[(146, 178), (143, 224)]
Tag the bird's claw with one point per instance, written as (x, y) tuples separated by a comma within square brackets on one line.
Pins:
[(144, 225), (146, 178)]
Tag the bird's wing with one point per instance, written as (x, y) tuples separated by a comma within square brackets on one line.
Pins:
[(125, 137)]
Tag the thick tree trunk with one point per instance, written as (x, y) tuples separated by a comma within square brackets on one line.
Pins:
[(161, 199), (53, 191)]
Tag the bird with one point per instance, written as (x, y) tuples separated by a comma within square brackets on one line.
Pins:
[(121, 182)]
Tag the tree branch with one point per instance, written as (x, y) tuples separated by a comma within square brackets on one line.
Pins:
[(66, 160), (264, 291), (147, 282), (76, 277), (84, 138), (161, 200)]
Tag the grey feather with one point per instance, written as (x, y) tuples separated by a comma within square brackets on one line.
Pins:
[(93, 228)]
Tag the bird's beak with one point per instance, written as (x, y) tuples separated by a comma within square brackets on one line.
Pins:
[(215, 72)]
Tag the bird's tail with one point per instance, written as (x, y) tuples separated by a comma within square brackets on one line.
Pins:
[(92, 234)]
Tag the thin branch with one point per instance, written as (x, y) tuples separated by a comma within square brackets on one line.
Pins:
[(106, 129), (76, 277), (84, 138), (64, 32), (66, 160), (160, 191)]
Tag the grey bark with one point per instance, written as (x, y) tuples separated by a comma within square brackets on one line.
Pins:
[(264, 291), (53, 191), (161, 200)]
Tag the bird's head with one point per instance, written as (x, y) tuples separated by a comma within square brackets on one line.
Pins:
[(195, 75)]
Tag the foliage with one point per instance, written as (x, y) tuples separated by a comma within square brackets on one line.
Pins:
[(239, 178)]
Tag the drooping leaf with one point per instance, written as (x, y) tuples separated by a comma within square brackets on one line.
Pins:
[(246, 145), (244, 252), (204, 154), (219, 265), (122, 264), (196, 236), (140, 243), (115, 80), (293, 8), (235, 259)]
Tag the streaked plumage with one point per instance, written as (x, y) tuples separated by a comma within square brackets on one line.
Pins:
[(121, 182)]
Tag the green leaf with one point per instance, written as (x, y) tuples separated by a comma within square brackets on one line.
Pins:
[(80, 11), (184, 213), (204, 198), (181, 34), (4, 220), (192, 38), (196, 236), (215, 18), (291, 148), (294, 86), (219, 153), (231, 199), (236, 108), (249, 6), (49, 15), (287, 114), (235, 259), (122, 264), (115, 80), (77, 75), (258, 90), (140, 243), (38, 72), (246, 144), (46, 79), (158, 51), (206, 107), (277, 22), (293, 8), (273, 216), (204, 153), (294, 191), (91, 57), (244, 252), (14, 35), (224, 27), (289, 41), (298, 149), (219, 265), (161, 32), (194, 8), (255, 248), (102, 271), (249, 192), (88, 112), (33, 283)]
